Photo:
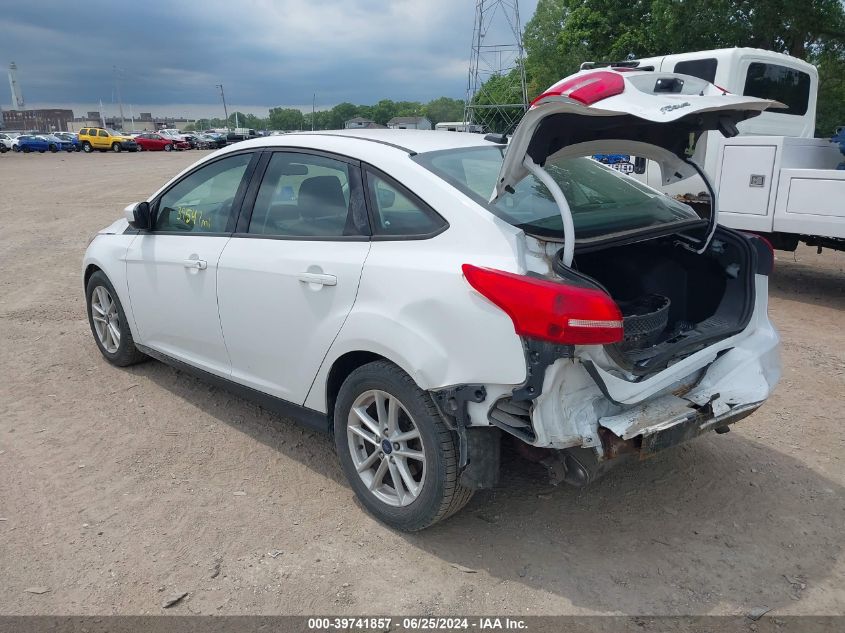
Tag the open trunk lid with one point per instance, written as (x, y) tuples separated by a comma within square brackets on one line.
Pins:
[(653, 115)]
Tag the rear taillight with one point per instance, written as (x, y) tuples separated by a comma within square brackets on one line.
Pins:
[(765, 253), (587, 88), (547, 310)]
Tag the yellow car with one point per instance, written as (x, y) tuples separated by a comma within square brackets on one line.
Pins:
[(103, 139)]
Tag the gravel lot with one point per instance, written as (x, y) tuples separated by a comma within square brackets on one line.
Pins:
[(121, 488)]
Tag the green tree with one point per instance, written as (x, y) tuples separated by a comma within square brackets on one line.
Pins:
[(286, 119), (444, 109)]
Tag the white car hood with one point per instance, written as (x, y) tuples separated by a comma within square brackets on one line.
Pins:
[(637, 121)]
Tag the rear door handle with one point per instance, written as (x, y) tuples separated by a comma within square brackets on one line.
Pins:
[(318, 278), (199, 264)]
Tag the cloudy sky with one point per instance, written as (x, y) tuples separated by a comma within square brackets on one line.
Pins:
[(171, 54)]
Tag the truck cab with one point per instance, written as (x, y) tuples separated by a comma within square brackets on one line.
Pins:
[(774, 178)]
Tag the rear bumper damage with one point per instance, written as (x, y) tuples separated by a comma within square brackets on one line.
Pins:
[(589, 413)]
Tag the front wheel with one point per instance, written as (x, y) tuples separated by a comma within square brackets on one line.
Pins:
[(395, 449), (53, 148), (108, 323), (116, 148), (168, 147), (86, 147)]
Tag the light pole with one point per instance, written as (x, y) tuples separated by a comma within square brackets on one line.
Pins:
[(225, 110)]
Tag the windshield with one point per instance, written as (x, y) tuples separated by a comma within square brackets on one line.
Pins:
[(602, 200)]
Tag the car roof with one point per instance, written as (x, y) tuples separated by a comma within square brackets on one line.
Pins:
[(412, 141)]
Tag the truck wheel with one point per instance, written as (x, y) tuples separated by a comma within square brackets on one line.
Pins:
[(115, 147), (395, 449), (86, 147)]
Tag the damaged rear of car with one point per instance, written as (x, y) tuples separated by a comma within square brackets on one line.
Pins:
[(643, 324)]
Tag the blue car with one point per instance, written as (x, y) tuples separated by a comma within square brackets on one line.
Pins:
[(73, 139), (27, 143)]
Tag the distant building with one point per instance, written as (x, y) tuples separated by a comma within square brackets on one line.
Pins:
[(409, 123), (358, 122), (42, 120)]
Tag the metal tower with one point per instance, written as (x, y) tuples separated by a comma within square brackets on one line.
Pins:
[(496, 93), (17, 95)]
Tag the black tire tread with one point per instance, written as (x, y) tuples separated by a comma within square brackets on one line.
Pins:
[(455, 496), (127, 354)]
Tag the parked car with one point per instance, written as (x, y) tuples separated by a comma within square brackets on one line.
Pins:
[(394, 301), (6, 139), (210, 141), (154, 142), (27, 143), (57, 144), (176, 135), (105, 139), (71, 138)]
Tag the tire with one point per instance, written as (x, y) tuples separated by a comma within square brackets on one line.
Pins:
[(168, 147), (53, 148), (434, 469), (86, 147), (123, 351), (115, 147)]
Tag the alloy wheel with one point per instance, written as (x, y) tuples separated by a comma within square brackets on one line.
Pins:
[(386, 448), (106, 319)]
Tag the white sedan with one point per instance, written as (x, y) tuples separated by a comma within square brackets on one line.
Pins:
[(423, 295)]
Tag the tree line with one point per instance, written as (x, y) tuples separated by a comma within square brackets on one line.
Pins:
[(288, 119)]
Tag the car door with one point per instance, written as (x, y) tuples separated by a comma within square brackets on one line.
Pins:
[(289, 277), (172, 269)]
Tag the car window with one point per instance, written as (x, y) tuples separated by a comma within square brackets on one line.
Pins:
[(787, 85), (202, 201), (602, 200), (84, 131), (702, 68), (102, 133), (303, 195), (398, 212)]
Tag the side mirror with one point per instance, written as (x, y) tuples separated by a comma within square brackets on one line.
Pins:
[(138, 216)]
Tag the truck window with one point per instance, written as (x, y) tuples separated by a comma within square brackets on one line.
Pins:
[(787, 85), (702, 68)]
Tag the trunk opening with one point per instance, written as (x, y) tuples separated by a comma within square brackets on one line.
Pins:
[(674, 302)]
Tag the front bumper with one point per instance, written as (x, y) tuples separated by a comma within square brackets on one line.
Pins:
[(129, 146)]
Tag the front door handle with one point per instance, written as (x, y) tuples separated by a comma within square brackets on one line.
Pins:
[(318, 278), (199, 264)]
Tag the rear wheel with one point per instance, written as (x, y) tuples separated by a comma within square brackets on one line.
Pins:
[(108, 323), (395, 449), (86, 147), (115, 147)]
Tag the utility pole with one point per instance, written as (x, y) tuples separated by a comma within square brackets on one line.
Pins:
[(117, 77), (225, 110), (313, 110), (503, 59)]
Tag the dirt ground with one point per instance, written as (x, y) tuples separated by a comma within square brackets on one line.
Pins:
[(120, 488)]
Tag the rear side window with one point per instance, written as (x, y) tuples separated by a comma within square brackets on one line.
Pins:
[(102, 133), (787, 85), (305, 195), (702, 68), (202, 202), (397, 212)]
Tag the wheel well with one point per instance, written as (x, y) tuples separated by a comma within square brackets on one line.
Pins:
[(339, 372), (90, 270)]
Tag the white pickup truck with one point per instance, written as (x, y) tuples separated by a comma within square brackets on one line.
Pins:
[(774, 178)]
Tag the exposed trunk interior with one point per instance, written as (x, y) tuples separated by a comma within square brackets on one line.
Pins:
[(674, 302)]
